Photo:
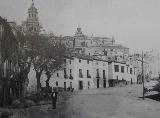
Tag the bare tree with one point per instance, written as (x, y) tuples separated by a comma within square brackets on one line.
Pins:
[(46, 56)]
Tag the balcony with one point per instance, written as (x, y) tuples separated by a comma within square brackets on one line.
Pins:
[(65, 76), (71, 77), (97, 76), (88, 76), (80, 76)]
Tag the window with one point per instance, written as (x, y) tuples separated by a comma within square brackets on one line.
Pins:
[(87, 61), (104, 74), (80, 73), (57, 74), (70, 84), (65, 74), (82, 43), (127, 69), (1, 30), (79, 60), (70, 61), (117, 77), (70, 77), (65, 61), (88, 83), (88, 74), (134, 71), (97, 73), (116, 68), (105, 52), (86, 44), (116, 58), (130, 70), (65, 71), (56, 83), (5, 69), (122, 69)]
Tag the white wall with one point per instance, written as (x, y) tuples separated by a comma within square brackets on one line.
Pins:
[(32, 85), (75, 66), (101, 65), (126, 75)]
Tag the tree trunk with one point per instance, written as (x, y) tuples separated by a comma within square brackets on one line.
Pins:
[(2, 96), (24, 77), (25, 83), (38, 76), (48, 79)]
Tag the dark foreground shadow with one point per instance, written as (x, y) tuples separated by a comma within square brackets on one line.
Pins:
[(154, 97)]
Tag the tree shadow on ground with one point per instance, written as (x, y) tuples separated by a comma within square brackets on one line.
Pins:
[(154, 97)]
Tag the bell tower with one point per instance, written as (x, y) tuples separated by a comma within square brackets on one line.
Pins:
[(32, 22)]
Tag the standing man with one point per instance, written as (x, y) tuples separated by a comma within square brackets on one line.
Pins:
[(54, 98)]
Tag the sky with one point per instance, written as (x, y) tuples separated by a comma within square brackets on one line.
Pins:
[(133, 23)]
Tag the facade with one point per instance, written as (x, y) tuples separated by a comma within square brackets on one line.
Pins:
[(85, 72), (81, 72), (100, 73), (8, 59), (119, 71), (8, 50), (136, 60)]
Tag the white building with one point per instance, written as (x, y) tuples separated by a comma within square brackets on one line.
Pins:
[(122, 71), (81, 72), (85, 72)]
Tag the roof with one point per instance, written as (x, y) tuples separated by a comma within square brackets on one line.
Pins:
[(115, 46), (121, 62), (85, 57)]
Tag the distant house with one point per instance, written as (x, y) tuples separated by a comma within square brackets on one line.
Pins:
[(121, 72)]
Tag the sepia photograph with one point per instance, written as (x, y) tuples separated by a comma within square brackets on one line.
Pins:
[(79, 59)]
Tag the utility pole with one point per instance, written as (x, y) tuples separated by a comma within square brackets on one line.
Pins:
[(158, 66), (143, 76)]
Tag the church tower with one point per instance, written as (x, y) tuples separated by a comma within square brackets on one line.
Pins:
[(32, 22), (79, 32)]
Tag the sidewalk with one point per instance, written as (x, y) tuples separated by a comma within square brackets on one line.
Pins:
[(42, 105), (4, 112)]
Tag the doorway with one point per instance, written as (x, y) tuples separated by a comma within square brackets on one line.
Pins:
[(80, 85), (65, 86), (97, 83), (104, 83)]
